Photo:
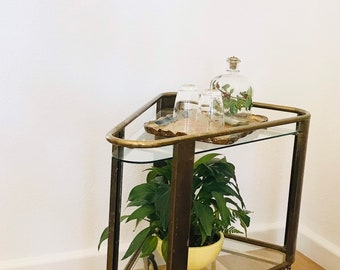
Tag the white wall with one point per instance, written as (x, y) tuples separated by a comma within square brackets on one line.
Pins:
[(71, 70)]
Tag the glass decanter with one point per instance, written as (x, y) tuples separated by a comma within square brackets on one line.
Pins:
[(236, 92)]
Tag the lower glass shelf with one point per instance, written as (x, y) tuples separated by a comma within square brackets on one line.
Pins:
[(236, 255)]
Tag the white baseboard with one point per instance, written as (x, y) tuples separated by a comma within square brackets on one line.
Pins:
[(76, 260), (320, 250)]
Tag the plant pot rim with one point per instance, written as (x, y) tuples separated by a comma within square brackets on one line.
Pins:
[(215, 243)]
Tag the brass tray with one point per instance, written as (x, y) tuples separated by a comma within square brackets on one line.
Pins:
[(167, 127)]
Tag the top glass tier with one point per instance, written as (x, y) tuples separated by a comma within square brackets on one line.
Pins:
[(138, 146)]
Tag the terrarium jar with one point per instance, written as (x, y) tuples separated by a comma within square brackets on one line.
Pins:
[(236, 92)]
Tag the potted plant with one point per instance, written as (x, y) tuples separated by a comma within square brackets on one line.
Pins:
[(216, 205)]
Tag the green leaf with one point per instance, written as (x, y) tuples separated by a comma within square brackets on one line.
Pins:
[(233, 107), (197, 235), (141, 194), (225, 87), (228, 169), (196, 183), (162, 205), (137, 242), (237, 193), (205, 159), (122, 218), (249, 102), (160, 174), (243, 216), (232, 230), (164, 249), (205, 216), (231, 201), (204, 172), (141, 213), (228, 191), (104, 236), (149, 245), (250, 92), (211, 186), (222, 208), (220, 187)]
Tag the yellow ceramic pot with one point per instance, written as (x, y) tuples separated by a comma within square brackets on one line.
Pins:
[(200, 257)]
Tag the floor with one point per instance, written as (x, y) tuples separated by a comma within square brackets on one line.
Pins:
[(304, 263), (301, 263)]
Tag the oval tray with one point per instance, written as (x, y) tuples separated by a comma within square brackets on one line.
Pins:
[(167, 127)]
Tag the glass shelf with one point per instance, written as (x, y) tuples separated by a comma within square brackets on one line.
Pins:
[(149, 155), (237, 255), (139, 147)]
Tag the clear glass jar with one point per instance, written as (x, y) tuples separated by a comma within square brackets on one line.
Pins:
[(237, 93), (185, 108), (210, 110), (186, 102)]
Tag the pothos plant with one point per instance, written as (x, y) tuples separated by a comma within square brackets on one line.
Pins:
[(216, 205), (234, 103)]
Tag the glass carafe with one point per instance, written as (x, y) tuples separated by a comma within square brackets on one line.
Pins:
[(237, 93)]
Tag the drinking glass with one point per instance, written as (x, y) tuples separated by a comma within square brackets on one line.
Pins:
[(210, 110), (185, 108)]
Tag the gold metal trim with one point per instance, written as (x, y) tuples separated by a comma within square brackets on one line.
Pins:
[(111, 136)]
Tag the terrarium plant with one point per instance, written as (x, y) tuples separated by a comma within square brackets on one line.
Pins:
[(235, 103), (217, 205)]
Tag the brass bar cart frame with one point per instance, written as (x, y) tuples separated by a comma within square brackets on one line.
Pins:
[(183, 159)]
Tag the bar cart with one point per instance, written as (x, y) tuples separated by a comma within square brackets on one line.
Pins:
[(140, 147)]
